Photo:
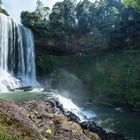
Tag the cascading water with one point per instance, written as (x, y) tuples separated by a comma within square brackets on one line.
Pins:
[(17, 59), (26, 67)]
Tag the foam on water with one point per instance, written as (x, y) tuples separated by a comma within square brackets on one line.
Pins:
[(70, 106), (17, 55)]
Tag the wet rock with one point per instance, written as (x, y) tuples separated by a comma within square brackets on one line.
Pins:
[(28, 88), (91, 135), (92, 127), (72, 117)]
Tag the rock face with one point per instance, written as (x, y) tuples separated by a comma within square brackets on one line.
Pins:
[(16, 119), (91, 126), (53, 124), (45, 119)]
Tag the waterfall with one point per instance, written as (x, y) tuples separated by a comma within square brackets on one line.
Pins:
[(17, 55)]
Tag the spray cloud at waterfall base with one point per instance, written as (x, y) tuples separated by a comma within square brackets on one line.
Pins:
[(17, 55)]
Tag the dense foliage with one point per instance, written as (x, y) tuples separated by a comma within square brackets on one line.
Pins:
[(3, 11), (110, 77), (132, 3), (107, 35), (103, 24)]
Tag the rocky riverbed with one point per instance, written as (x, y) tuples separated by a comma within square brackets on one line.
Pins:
[(46, 119)]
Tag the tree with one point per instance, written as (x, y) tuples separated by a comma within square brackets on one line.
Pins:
[(82, 16), (42, 10), (103, 24), (132, 3), (37, 20), (62, 20), (29, 19)]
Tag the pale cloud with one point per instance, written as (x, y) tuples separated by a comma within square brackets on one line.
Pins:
[(14, 7)]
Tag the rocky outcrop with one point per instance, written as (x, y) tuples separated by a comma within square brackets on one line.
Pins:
[(17, 121), (53, 47), (40, 120), (91, 126), (46, 119), (53, 124), (27, 88)]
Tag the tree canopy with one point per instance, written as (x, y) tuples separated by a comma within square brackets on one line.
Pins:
[(105, 24), (132, 3)]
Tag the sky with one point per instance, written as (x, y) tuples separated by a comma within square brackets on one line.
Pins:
[(14, 7)]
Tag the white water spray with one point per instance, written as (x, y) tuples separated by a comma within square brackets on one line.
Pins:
[(17, 59)]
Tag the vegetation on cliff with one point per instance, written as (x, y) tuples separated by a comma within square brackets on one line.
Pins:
[(105, 36), (105, 78), (3, 11), (85, 26)]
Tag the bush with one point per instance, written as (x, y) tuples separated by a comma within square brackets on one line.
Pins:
[(3, 11)]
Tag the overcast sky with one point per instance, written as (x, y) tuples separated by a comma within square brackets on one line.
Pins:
[(14, 7)]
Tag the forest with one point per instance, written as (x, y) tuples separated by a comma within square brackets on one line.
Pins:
[(83, 26), (101, 40)]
